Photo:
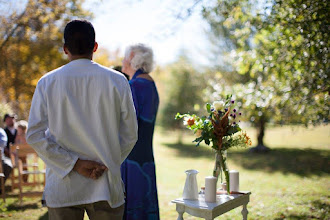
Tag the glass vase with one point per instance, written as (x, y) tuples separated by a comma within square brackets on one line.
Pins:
[(220, 168)]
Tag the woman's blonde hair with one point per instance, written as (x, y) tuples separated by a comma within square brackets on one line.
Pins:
[(23, 125)]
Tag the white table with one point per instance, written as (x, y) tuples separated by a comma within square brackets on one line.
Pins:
[(208, 211)]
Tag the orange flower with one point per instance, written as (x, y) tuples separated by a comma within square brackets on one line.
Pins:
[(247, 139), (191, 121)]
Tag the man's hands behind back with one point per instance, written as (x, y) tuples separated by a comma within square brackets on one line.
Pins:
[(89, 169)]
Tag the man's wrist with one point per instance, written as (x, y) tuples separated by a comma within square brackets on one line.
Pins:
[(76, 166)]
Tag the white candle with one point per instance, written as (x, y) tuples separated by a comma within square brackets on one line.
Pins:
[(234, 181), (210, 189)]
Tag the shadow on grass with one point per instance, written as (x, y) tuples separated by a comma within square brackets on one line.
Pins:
[(18, 207), (318, 210), (44, 217), (303, 162)]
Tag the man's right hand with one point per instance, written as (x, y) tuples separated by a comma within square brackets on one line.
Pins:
[(89, 169)]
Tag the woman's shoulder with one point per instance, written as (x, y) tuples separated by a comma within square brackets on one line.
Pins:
[(143, 86), (146, 77), (141, 82)]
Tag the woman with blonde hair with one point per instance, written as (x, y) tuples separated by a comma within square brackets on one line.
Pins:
[(20, 138), (138, 170), (21, 132)]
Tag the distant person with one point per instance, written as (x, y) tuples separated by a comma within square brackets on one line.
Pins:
[(118, 68), (21, 132), (138, 170), (21, 139), (6, 162), (11, 131), (83, 125)]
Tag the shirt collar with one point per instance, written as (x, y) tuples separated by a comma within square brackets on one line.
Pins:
[(12, 130), (80, 61), (137, 73)]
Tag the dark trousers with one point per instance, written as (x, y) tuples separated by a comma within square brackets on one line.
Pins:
[(96, 211), (6, 170)]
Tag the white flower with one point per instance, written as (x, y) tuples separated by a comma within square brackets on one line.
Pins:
[(188, 121), (218, 105)]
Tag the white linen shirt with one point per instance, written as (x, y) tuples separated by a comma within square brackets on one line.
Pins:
[(82, 110), (3, 144)]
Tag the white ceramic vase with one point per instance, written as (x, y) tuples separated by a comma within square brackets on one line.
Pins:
[(190, 190)]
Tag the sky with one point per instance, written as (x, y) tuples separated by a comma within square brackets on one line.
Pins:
[(119, 23)]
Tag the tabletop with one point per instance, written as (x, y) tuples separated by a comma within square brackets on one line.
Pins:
[(224, 203)]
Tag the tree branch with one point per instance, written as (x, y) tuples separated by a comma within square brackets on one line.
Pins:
[(13, 30)]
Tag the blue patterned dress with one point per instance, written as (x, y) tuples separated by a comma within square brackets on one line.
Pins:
[(138, 170)]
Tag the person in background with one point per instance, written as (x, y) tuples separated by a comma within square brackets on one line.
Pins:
[(82, 123), (11, 131), (138, 170), (21, 132), (118, 68), (6, 162), (21, 139)]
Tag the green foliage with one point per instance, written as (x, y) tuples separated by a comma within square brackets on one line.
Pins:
[(277, 53), (202, 127), (4, 108), (184, 93), (281, 50), (297, 53), (213, 127)]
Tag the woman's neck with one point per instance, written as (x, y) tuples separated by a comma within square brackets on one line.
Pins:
[(130, 73)]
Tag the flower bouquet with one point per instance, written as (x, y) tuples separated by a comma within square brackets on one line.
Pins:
[(220, 130)]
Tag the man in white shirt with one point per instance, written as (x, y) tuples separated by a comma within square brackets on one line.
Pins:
[(6, 162), (83, 125)]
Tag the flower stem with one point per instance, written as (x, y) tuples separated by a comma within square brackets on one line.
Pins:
[(216, 169), (225, 170)]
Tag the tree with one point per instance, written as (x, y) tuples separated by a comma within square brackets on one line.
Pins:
[(298, 54), (281, 52), (183, 93), (4, 109), (232, 29), (31, 45), (107, 58)]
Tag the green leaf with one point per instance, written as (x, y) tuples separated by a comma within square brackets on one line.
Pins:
[(178, 116), (233, 129), (208, 107)]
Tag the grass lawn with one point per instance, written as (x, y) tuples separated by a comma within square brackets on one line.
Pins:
[(290, 182)]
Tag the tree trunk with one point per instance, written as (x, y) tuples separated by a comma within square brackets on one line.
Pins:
[(260, 148), (261, 132)]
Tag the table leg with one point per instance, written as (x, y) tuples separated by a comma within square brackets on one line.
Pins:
[(180, 210), (245, 212), (180, 217)]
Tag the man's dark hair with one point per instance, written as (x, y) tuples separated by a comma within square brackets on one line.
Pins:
[(79, 37)]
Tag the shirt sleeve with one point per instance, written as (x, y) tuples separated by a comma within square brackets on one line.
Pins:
[(128, 131), (55, 157), (3, 138)]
